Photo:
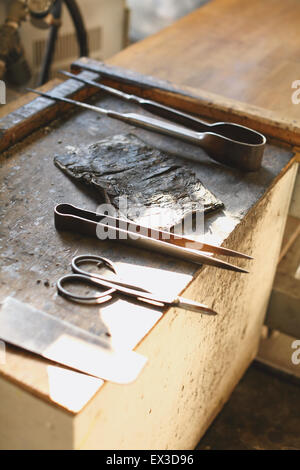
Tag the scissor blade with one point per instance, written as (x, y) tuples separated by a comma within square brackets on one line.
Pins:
[(193, 306), (180, 302), (118, 282), (152, 298)]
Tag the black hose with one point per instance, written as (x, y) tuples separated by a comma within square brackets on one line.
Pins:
[(50, 48), (80, 33), (79, 27)]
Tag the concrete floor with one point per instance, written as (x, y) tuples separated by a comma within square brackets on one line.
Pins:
[(263, 413)]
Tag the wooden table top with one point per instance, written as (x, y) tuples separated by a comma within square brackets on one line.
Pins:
[(246, 51)]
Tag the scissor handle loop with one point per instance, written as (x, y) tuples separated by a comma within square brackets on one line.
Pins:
[(99, 259), (84, 276), (82, 298)]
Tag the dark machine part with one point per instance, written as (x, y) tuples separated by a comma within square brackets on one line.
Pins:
[(43, 13), (55, 15), (79, 26), (48, 57)]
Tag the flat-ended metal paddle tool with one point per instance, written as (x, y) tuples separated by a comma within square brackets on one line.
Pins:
[(228, 143), (52, 338)]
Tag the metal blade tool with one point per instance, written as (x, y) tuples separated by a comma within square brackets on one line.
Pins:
[(71, 218), (52, 338)]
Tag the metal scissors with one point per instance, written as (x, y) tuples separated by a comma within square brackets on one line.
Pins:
[(117, 285)]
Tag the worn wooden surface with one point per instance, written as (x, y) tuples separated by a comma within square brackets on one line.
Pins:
[(292, 231), (195, 362), (283, 311), (245, 51), (231, 55), (294, 210), (26, 115)]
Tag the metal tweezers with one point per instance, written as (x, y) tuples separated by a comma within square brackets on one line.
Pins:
[(70, 218)]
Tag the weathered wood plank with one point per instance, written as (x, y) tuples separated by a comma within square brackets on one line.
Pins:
[(283, 311), (292, 231), (37, 112), (247, 52)]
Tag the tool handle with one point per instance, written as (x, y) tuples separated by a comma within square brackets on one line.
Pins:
[(151, 106), (172, 114), (157, 125), (180, 302)]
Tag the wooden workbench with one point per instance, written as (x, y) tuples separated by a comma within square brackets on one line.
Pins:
[(194, 361)]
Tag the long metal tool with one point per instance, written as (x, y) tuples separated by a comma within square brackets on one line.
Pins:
[(64, 343), (245, 154), (74, 219), (230, 130)]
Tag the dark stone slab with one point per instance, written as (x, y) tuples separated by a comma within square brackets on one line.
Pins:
[(144, 184)]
